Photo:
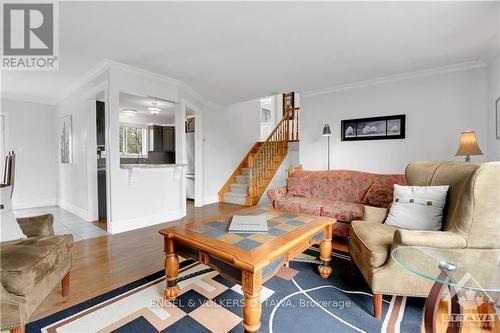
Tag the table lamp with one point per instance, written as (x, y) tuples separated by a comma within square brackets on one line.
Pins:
[(328, 133), (468, 145)]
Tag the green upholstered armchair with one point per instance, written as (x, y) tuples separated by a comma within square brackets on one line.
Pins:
[(30, 268), (471, 223)]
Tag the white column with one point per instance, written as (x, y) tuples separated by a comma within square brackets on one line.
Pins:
[(180, 152), (112, 148)]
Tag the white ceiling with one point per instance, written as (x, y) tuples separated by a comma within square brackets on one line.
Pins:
[(231, 52), (141, 104)]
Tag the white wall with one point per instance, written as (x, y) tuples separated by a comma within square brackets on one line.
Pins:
[(156, 195), (494, 93), (73, 181), (32, 134), (229, 134), (438, 108), (153, 195)]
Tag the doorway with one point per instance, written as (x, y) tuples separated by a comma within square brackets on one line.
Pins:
[(97, 164), (190, 156), (100, 134), (267, 116)]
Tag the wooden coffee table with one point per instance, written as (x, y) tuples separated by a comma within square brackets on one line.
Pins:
[(246, 259)]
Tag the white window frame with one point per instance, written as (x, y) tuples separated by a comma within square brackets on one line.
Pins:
[(145, 145)]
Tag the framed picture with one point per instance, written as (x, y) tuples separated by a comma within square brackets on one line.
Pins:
[(288, 101), (376, 128), (497, 112), (66, 139), (190, 125)]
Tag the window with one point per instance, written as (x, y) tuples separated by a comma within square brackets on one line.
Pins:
[(133, 140), (265, 110), (266, 115)]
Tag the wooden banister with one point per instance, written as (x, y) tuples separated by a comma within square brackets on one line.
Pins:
[(261, 163), (264, 158), (225, 188)]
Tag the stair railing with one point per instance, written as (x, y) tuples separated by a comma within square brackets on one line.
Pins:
[(227, 186), (262, 162)]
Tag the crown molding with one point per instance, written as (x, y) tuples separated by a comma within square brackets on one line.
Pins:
[(198, 96), (94, 72), (139, 71), (28, 99), (397, 77), (108, 64)]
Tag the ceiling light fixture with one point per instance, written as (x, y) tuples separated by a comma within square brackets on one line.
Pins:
[(129, 112), (154, 110)]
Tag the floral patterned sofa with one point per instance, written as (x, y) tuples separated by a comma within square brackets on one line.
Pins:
[(340, 194)]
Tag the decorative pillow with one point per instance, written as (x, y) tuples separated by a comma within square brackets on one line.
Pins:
[(9, 228), (418, 207), (298, 187)]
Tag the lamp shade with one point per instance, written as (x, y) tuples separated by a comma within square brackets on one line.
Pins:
[(468, 144), (326, 130)]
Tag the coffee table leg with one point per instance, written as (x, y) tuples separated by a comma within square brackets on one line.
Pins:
[(252, 308), (325, 251), (171, 271)]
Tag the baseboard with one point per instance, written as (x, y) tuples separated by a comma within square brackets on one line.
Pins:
[(16, 204), (143, 221), (78, 211), (211, 199)]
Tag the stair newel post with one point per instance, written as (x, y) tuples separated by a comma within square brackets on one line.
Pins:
[(298, 124), (295, 123), (288, 125), (275, 151), (283, 129), (259, 170), (250, 162), (268, 160), (283, 138), (264, 167), (258, 174)]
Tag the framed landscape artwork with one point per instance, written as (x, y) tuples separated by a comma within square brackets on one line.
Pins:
[(65, 139), (288, 101), (375, 128), (497, 112)]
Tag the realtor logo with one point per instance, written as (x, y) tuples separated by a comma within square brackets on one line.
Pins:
[(29, 36)]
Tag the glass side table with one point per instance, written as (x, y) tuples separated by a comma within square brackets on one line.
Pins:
[(473, 275)]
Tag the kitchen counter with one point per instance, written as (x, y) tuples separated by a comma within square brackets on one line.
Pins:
[(146, 166)]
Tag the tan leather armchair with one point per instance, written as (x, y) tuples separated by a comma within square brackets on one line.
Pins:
[(471, 223), (30, 269)]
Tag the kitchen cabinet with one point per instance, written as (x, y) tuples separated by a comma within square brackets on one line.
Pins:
[(169, 138), (100, 123), (161, 138), (101, 193)]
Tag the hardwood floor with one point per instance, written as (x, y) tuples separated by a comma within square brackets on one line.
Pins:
[(105, 263), (102, 223)]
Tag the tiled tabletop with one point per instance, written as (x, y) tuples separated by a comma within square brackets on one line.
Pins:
[(278, 224)]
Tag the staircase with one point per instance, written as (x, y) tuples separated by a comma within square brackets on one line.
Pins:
[(252, 176)]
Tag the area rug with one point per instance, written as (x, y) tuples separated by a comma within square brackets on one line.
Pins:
[(297, 299)]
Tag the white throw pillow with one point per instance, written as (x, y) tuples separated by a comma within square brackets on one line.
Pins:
[(9, 228), (418, 207)]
